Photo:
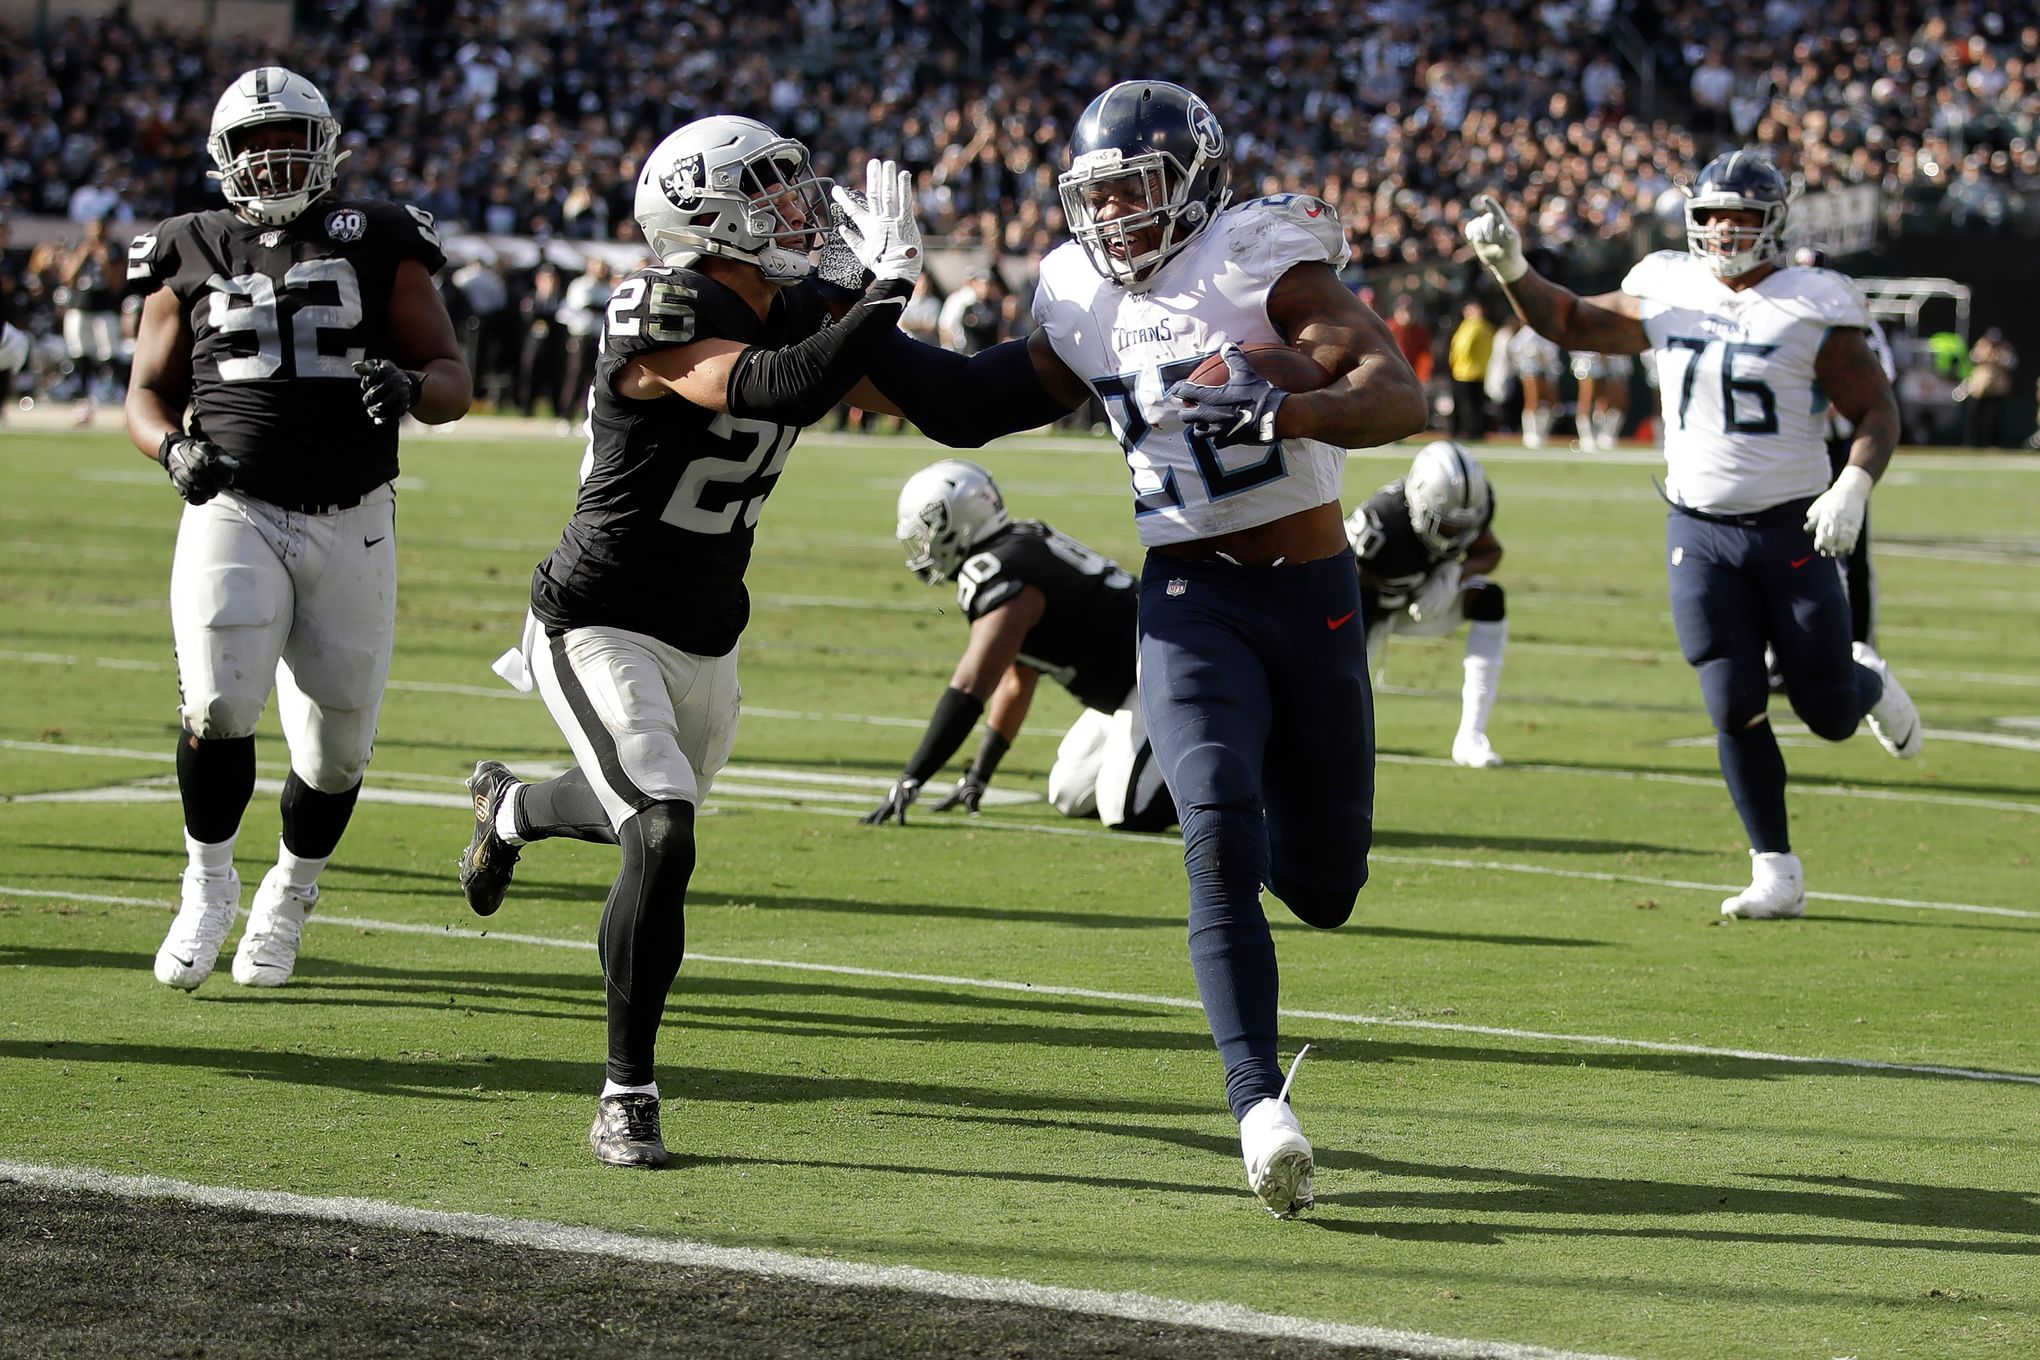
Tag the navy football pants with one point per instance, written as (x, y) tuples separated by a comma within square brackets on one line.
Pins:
[(1734, 587), (1254, 688)]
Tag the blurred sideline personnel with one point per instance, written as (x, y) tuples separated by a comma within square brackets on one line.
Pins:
[(300, 327), (1425, 544), (14, 347), (711, 363), (1841, 436), (1743, 346), (1252, 684), (1038, 602), (1603, 403), (1538, 363)]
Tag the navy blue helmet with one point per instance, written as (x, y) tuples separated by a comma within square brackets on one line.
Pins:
[(1167, 142), (1737, 180)]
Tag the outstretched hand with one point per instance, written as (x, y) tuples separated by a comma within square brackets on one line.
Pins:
[(1495, 240), (881, 230)]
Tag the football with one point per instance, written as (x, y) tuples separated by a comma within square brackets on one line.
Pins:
[(1285, 366)]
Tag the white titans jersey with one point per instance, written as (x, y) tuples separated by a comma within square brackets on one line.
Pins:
[(1745, 420), (1132, 346)]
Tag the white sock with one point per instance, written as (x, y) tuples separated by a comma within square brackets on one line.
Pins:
[(506, 816), (211, 860), (1533, 429), (303, 874), (1608, 425), (1484, 644), (610, 1088)]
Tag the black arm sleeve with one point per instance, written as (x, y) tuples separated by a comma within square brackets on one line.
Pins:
[(800, 384), (963, 401), (991, 751), (954, 716)]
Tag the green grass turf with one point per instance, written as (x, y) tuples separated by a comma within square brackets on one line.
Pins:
[(1539, 1190)]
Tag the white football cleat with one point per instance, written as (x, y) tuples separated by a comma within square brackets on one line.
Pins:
[(276, 922), (1472, 750), (1777, 889), (188, 952), (1894, 718), (1278, 1157)]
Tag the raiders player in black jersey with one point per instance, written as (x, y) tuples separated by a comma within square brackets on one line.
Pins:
[(1425, 545), (298, 327), (1039, 603), (711, 363)]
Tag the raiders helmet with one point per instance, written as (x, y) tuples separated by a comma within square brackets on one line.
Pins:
[(1739, 179), (946, 510), (1447, 491), (733, 187), (1167, 140), (271, 186)]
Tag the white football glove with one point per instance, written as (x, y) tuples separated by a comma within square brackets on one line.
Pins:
[(1434, 598), (1836, 516), (1496, 241), (881, 230)]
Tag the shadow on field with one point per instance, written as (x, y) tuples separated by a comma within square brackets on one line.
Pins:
[(1551, 845), (1899, 784), (1499, 1191)]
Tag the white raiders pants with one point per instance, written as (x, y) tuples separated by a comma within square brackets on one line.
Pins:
[(1485, 643), (1399, 623), (648, 723), (260, 597), (1105, 767)]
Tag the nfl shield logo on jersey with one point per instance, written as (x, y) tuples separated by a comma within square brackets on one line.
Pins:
[(1177, 585), (348, 224), (270, 239)]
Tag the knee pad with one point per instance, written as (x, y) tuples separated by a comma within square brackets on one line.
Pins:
[(1485, 605), (223, 717), (1735, 697)]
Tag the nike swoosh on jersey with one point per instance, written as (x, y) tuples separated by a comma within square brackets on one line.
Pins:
[(1340, 622), (371, 542)]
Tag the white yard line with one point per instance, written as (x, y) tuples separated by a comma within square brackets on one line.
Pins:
[(1124, 998), (671, 1251)]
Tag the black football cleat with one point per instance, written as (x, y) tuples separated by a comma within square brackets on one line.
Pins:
[(489, 860), (626, 1131)]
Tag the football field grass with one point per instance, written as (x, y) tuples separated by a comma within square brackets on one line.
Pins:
[(1557, 1100)]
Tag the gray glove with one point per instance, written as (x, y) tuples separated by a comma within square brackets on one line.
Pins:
[(198, 468), (387, 390), (898, 799)]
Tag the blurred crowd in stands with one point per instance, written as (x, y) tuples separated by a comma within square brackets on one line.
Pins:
[(530, 117)]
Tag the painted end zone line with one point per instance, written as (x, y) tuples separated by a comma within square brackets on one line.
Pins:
[(1131, 998), (525, 1232)]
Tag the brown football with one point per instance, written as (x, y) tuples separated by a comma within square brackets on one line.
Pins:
[(1284, 366)]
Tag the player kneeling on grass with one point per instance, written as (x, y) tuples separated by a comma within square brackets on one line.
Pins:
[(1425, 544), (711, 363), (1039, 603), (1749, 353), (297, 328)]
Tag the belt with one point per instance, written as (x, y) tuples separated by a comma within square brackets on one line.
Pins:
[(1791, 512), (301, 508)]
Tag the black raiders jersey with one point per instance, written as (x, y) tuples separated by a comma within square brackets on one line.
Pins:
[(1392, 558), (278, 317), (1085, 639), (670, 492)]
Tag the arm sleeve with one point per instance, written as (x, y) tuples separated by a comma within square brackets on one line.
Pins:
[(954, 716), (801, 383), (961, 401)]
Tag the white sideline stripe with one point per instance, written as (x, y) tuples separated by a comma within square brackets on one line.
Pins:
[(742, 792), (670, 1251), (1132, 998), (2006, 740)]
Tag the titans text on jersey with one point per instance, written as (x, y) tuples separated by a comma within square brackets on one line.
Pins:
[(1131, 346), (1085, 639), (278, 317), (670, 492)]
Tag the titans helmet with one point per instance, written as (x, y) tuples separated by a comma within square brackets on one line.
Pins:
[(1166, 141), (946, 510), (1737, 179)]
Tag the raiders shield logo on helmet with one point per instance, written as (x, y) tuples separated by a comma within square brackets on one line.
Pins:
[(683, 183)]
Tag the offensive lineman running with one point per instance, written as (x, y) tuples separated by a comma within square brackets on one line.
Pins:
[(299, 328), (711, 364), (1744, 345)]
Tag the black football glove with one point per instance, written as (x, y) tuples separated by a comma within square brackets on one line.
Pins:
[(897, 800), (1241, 411), (198, 468), (840, 271), (387, 390), (968, 793)]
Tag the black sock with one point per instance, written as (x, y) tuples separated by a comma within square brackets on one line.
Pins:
[(216, 779), (644, 934), (313, 821), (565, 806), (1755, 770)]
